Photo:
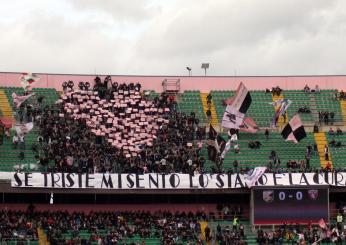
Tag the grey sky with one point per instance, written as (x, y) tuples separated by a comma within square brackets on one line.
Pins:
[(154, 37)]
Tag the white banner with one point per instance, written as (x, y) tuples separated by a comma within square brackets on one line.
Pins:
[(170, 181)]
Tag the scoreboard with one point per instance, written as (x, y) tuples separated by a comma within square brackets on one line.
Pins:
[(290, 205)]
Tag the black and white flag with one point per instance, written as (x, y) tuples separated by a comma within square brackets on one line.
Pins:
[(235, 112), (294, 130)]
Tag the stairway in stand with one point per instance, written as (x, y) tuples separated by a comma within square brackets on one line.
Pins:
[(214, 120), (343, 110), (321, 141), (42, 237), (281, 121), (5, 106), (313, 107), (203, 224)]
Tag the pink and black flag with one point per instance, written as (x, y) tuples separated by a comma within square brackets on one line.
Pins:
[(242, 100)]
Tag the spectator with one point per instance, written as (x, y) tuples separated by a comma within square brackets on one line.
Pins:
[(15, 141), (315, 149), (326, 152), (339, 131), (266, 134), (207, 233), (208, 114), (235, 223), (331, 114), (7, 133), (317, 89), (339, 221), (209, 99), (235, 165), (307, 89), (236, 149), (331, 132), (328, 166)]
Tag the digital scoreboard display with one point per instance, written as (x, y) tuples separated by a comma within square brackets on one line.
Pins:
[(289, 205)]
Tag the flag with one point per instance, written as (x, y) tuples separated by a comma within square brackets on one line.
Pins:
[(212, 133), (227, 148), (281, 106), (242, 100), (27, 79), (18, 100), (322, 223), (248, 126), (253, 175), (212, 153), (51, 200), (294, 130), (220, 143), (23, 128), (232, 118), (216, 144), (235, 112)]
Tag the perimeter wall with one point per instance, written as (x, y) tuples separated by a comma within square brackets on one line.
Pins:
[(201, 83)]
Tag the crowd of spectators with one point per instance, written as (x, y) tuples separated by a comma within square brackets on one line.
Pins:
[(62, 227), (275, 91), (304, 109), (80, 134), (307, 89), (326, 117), (301, 235), (17, 225), (340, 96)]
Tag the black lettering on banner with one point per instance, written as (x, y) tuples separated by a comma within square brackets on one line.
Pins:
[(18, 180), (163, 181), (80, 184), (63, 180), (131, 183), (45, 184), (70, 180), (120, 184), (263, 180), (219, 180), (303, 179), (229, 183), (55, 182), (27, 178), (108, 183), (337, 181), (238, 181), (290, 178), (87, 180), (138, 181), (275, 178), (316, 179), (201, 181), (191, 181), (327, 178), (152, 181), (174, 180)]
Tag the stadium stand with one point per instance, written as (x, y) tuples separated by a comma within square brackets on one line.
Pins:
[(90, 129), (191, 102)]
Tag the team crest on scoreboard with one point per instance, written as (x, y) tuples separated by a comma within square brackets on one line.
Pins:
[(313, 194), (268, 196)]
